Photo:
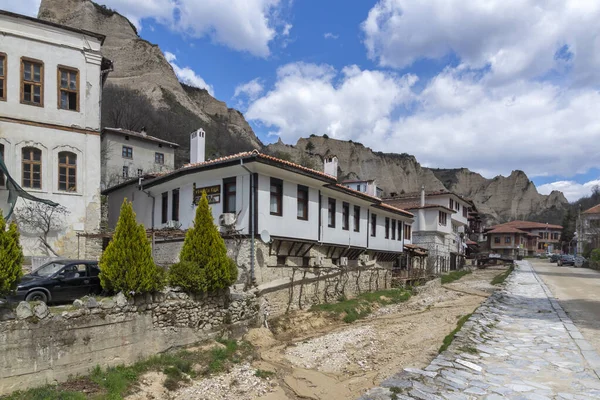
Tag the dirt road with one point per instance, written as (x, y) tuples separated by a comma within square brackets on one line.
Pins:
[(578, 292)]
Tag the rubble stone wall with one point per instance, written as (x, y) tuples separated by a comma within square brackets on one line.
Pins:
[(41, 345)]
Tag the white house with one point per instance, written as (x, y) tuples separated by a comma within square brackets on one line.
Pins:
[(51, 79), (303, 215), (368, 186), (127, 154), (588, 229), (441, 224)]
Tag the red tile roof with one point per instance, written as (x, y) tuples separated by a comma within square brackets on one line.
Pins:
[(593, 210), (353, 192), (506, 229), (528, 225), (140, 135), (415, 205)]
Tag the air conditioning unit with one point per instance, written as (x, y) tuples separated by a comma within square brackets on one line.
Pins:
[(343, 262), (227, 219), (364, 258), (173, 224)]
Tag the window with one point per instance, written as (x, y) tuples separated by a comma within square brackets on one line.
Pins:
[(2, 181), (175, 205), (331, 213), (127, 152), (2, 76), (159, 158), (67, 171), (399, 230), (32, 168), (465, 212), (451, 204), (164, 207), (393, 229), (68, 88), (457, 205), (302, 207), (507, 239), (373, 225), (497, 239), (356, 219), (443, 218), (345, 216), (125, 172), (276, 197), (32, 82), (229, 190), (387, 228), (140, 172), (407, 231)]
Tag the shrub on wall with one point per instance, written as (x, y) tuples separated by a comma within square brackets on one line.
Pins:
[(127, 265), (11, 257), (204, 265)]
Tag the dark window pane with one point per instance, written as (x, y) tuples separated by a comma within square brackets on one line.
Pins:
[(37, 155), (62, 171), (27, 71), (62, 158), (72, 101), (73, 81), (26, 182), (27, 92), (72, 159), (62, 185), (37, 77), (63, 79), (64, 102)]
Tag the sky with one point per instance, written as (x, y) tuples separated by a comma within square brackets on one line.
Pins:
[(489, 85)]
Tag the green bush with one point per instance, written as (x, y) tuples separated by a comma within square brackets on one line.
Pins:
[(204, 265), (11, 257), (595, 255), (127, 265)]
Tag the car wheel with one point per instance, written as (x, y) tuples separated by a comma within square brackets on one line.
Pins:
[(37, 295)]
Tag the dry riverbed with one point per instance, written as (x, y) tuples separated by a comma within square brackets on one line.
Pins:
[(310, 355)]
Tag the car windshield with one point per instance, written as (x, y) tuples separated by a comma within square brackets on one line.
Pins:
[(48, 269)]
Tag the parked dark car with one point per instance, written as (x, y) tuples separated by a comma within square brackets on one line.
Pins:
[(554, 258), (59, 281), (566, 259)]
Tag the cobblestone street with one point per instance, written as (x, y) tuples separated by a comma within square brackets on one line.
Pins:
[(519, 344)]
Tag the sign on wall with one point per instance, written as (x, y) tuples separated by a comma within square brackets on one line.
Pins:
[(213, 193)]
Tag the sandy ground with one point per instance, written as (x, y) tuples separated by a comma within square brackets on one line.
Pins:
[(316, 357), (578, 292)]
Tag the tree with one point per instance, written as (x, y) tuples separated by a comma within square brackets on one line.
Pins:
[(127, 265), (568, 230), (204, 265), (11, 257), (310, 146), (42, 220)]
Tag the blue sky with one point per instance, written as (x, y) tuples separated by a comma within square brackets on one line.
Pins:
[(490, 86)]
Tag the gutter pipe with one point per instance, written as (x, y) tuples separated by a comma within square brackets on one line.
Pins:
[(251, 214)]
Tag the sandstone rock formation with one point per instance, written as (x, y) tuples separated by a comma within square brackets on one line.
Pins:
[(500, 199)]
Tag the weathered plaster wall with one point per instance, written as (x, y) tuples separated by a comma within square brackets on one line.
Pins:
[(38, 347)]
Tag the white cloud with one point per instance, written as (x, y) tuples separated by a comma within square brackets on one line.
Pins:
[(24, 7), (286, 29), (310, 98), (187, 75), (571, 189), (329, 35), (515, 39), (251, 89)]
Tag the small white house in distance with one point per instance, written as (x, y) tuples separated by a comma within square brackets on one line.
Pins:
[(127, 154), (302, 216), (51, 78), (441, 223), (365, 186)]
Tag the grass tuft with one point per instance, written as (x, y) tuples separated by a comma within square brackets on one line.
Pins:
[(450, 337), (500, 278), (261, 373), (454, 275)]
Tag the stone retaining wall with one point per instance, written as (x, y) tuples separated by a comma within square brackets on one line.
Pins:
[(41, 345)]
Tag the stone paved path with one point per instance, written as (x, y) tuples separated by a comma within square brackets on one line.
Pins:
[(519, 344)]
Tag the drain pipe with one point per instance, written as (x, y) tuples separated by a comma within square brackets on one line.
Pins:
[(152, 217), (252, 219)]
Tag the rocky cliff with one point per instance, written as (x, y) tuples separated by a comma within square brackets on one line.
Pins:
[(142, 66), (500, 198)]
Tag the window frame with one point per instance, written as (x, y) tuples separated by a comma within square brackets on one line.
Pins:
[(227, 183), (31, 162), (59, 89), (331, 212), (356, 218), (2, 177), (68, 167), (442, 218), (277, 194), (40, 84), (156, 158), (4, 76), (345, 216), (373, 225), (175, 204), (507, 239), (123, 152), (407, 232), (302, 202), (164, 208), (125, 172), (497, 240)]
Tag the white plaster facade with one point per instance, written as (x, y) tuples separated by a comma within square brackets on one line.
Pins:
[(148, 155), (50, 129)]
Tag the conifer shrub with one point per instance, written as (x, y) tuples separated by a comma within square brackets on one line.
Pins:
[(204, 265), (127, 265), (11, 257)]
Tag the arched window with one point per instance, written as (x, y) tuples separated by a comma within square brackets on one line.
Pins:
[(67, 171), (32, 168)]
